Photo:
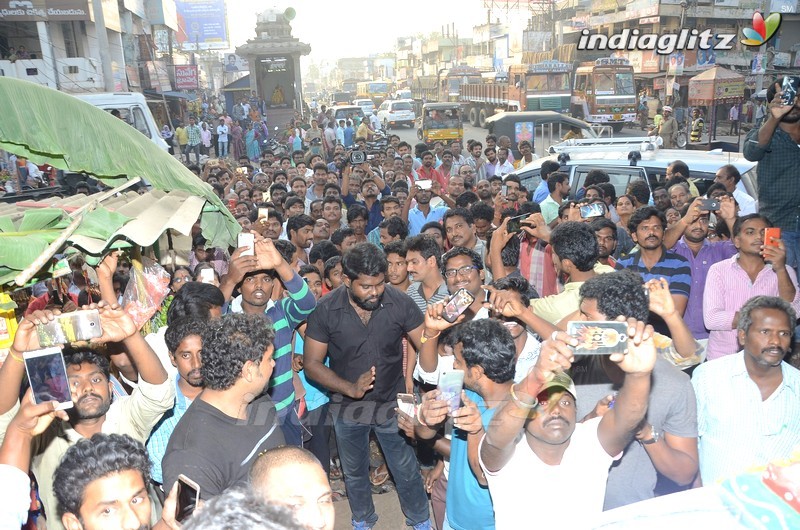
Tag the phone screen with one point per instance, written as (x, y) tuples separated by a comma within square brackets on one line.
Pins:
[(515, 223), (47, 376), (450, 385), (188, 495), (789, 88), (592, 210), (458, 303)]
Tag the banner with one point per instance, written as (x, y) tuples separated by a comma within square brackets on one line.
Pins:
[(36, 10), (186, 77), (202, 25)]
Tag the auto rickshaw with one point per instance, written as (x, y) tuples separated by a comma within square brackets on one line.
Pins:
[(440, 122)]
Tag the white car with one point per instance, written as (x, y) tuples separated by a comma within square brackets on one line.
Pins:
[(396, 112), (367, 105)]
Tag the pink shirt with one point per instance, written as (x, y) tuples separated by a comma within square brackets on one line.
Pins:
[(728, 287)]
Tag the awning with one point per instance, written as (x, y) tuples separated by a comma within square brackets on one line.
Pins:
[(118, 221), (170, 94)]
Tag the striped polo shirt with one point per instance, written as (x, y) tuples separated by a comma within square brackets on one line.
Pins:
[(415, 292), (672, 267), (286, 314)]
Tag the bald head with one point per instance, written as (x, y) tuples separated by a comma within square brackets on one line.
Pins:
[(294, 477)]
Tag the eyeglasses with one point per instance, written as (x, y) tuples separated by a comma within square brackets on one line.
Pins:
[(463, 271), (181, 280)]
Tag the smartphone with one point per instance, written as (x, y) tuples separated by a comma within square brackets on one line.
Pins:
[(599, 338), (515, 223), (263, 215), (248, 240), (264, 196), (207, 276), (771, 236), (789, 88), (47, 376), (188, 498), (457, 304), (407, 404), (592, 210), (424, 184), (232, 203), (709, 205), (450, 385), (244, 170), (504, 190), (70, 327)]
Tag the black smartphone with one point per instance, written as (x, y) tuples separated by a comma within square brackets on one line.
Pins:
[(457, 304), (709, 205), (188, 498), (592, 210), (789, 88), (515, 223)]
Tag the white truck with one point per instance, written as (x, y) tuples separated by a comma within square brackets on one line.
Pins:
[(132, 108)]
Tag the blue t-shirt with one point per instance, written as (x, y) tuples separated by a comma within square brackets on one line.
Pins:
[(349, 133), (316, 396), (469, 504)]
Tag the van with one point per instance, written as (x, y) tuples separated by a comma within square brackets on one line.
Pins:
[(132, 108), (342, 112)]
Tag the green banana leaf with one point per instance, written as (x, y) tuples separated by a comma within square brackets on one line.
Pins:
[(51, 127)]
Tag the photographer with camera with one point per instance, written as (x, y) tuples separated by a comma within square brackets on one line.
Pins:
[(372, 186)]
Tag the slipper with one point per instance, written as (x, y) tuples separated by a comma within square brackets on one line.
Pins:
[(335, 473), (379, 475)]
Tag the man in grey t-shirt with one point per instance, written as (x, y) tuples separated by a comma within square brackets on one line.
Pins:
[(666, 443)]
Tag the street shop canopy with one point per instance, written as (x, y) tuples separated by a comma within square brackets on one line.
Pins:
[(51, 127), (716, 85)]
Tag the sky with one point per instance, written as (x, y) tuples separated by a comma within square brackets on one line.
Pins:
[(321, 23)]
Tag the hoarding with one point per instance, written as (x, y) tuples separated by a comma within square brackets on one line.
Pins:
[(202, 25), (186, 77)]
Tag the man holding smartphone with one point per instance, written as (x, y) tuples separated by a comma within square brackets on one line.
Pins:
[(774, 147), (89, 379)]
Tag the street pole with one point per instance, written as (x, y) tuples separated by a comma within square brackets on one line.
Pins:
[(102, 45)]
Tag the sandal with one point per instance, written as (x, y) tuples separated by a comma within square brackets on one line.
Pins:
[(379, 475)]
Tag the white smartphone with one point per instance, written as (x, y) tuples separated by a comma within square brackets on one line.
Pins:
[(207, 276), (407, 404), (70, 327), (424, 184), (47, 375), (263, 215), (248, 240), (450, 384), (188, 498)]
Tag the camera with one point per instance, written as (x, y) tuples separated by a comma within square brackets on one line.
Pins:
[(358, 157)]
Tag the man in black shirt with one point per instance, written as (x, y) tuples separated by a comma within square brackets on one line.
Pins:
[(359, 326), (223, 431)]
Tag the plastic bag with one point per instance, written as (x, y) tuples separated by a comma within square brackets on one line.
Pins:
[(146, 290)]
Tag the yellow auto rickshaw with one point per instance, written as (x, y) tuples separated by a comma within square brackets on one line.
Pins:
[(440, 122)]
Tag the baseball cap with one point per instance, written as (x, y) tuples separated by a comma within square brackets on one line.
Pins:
[(561, 380)]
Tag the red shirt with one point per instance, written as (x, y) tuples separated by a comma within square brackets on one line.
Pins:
[(432, 174)]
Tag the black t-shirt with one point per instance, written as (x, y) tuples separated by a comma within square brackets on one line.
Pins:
[(353, 347), (216, 450)]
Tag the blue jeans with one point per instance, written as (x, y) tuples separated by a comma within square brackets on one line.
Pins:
[(353, 441), (290, 425), (222, 149)]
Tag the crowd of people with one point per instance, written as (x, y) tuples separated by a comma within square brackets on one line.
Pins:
[(278, 369)]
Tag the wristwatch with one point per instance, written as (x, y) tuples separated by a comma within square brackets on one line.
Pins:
[(654, 437)]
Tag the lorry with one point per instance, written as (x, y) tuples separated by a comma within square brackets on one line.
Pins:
[(604, 92), (132, 108), (535, 87)]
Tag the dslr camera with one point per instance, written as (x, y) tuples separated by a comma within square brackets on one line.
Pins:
[(358, 157)]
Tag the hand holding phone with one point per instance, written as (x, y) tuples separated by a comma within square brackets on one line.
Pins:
[(457, 304), (407, 403), (514, 224), (592, 210), (772, 236), (789, 89), (709, 205)]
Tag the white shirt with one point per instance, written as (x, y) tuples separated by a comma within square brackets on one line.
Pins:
[(569, 495), (375, 122), (747, 204), (503, 169), (222, 131), (15, 497)]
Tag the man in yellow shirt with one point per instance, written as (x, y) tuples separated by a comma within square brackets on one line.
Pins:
[(364, 131), (182, 137), (527, 157)]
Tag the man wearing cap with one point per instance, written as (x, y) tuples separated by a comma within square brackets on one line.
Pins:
[(538, 460), (668, 130)]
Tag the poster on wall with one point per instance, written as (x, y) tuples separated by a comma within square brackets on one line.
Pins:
[(202, 25), (523, 130), (186, 77)]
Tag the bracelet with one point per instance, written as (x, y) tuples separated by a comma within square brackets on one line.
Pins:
[(518, 402), (425, 339), (11, 353), (419, 417)]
